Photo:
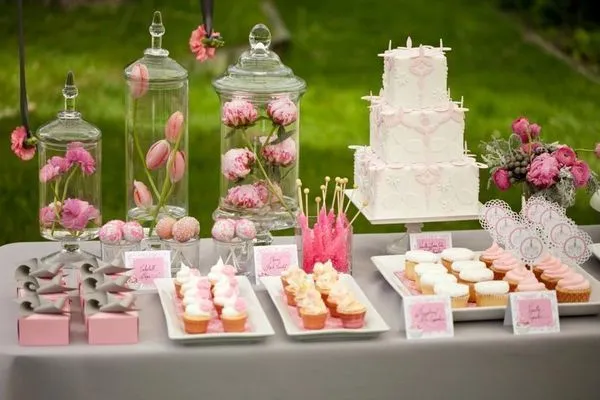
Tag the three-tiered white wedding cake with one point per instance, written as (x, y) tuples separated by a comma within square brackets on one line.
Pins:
[(417, 164)]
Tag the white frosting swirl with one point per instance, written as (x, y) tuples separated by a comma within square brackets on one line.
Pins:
[(492, 287)]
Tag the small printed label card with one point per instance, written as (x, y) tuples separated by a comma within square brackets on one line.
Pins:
[(428, 317), (147, 266), (533, 312), (274, 260), (436, 242)]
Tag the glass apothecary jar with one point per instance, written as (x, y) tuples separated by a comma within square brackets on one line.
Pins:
[(156, 135), (70, 174), (260, 146)]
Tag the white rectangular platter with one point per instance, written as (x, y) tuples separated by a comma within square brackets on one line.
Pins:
[(388, 265), (374, 324), (261, 328)]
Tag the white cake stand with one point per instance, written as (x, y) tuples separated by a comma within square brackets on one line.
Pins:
[(412, 225)]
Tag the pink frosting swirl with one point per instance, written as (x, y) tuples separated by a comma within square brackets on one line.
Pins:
[(518, 274), (548, 262), (506, 262), (530, 284), (573, 281), (493, 253), (558, 272)]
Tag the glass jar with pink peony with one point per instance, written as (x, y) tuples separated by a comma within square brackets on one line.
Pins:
[(260, 131), (69, 179), (156, 139)]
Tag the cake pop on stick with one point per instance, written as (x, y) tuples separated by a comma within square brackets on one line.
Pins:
[(324, 194), (306, 192), (318, 201), (327, 179), (299, 186)]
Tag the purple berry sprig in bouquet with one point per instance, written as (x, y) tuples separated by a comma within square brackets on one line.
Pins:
[(551, 170)]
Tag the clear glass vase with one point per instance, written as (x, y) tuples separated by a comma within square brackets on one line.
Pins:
[(260, 147), (239, 253), (116, 252), (187, 253), (70, 196), (156, 145)]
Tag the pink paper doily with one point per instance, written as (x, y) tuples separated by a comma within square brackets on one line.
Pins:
[(214, 326), (412, 286)]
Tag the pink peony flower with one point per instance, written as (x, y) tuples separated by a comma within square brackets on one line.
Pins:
[(174, 126), (237, 163), (581, 173), (520, 127), (48, 172), (77, 213), (565, 156), (197, 47), (238, 113), (244, 196), (501, 179), (158, 154), (138, 86), (534, 130), (177, 167), (597, 150), (48, 214), (19, 144), (282, 111), (76, 154), (543, 171), (141, 195), (283, 154), (263, 192), (61, 163)]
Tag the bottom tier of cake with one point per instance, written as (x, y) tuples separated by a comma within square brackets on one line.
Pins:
[(396, 191)]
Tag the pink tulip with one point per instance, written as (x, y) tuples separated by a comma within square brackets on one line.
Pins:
[(141, 195), (158, 154), (177, 167), (173, 126), (139, 80)]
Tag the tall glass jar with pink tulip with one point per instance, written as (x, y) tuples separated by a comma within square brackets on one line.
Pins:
[(156, 135), (260, 128), (70, 179)]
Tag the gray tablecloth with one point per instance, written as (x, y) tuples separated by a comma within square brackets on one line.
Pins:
[(483, 361)]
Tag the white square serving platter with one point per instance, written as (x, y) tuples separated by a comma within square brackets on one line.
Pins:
[(374, 323), (388, 265), (261, 328)]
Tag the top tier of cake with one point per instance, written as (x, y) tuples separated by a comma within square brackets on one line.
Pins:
[(415, 77)]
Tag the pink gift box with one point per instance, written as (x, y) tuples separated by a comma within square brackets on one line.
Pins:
[(43, 330), (113, 328)]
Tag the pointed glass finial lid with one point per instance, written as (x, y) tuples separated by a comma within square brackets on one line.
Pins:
[(259, 69), (69, 126), (156, 58)]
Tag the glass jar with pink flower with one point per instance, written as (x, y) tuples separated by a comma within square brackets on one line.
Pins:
[(156, 140), (70, 178), (260, 131)]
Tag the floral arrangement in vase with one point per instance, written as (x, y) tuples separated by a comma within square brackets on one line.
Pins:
[(551, 170), (260, 160)]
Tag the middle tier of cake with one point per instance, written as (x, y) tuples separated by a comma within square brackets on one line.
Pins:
[(399, 135), (412, 191)]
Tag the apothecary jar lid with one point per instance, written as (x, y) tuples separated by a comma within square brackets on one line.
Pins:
[(259, 70), (159, 66)]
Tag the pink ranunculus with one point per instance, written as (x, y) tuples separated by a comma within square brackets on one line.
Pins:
[(76, 154), (527, 148), (266, 194), (174, 126), (48, 214), (19, 145), (139, 77), (177, 167), (76, 214), (283, 154), (534, 130), (244, 196), (565, 156), (141, 195), (201, 51), (282, 111), (501, 179), (543, 171), (581, 173), (597, 150), (520, 127), (238, 113), (61, 163), (158, 154), (237, 163), (48, 172)]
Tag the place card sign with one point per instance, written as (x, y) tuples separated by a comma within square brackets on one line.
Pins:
[(274, 260), (147, 266), (533, 312), (436, 242), (428, 317)]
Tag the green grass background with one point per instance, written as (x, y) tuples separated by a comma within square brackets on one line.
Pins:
[(334, 48)]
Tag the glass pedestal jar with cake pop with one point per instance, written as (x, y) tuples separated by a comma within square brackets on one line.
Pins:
[(118, 237), (156, 135), (181, 237), (259, 138), (326, 235), (70, 180), (234, 244)]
